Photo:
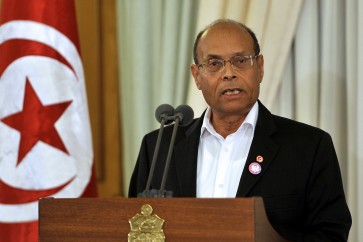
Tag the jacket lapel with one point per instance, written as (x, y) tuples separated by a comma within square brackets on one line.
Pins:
[(262, 145), (186, 156)]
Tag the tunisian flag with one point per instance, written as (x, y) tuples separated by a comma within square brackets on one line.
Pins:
[(45, 138)]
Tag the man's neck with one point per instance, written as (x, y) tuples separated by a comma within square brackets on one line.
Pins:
[(226, 125)]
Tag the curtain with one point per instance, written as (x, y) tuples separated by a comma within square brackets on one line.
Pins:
[(155, 49), (354, 112), (322, 86)]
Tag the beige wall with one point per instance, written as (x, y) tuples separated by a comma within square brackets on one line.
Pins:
[(96, 22)]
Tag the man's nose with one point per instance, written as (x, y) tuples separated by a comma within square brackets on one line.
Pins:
[(229, 71)]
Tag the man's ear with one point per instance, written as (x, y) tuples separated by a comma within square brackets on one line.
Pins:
[(260, 64), (194, 69)]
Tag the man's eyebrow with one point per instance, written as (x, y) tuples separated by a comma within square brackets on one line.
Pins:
[(242, 53), (212, 56)]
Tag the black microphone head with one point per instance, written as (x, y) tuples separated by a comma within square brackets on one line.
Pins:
[(185, 114), (164, 111)]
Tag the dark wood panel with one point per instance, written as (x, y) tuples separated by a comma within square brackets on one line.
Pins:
[(186, 219)]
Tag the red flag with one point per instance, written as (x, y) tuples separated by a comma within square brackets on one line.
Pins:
[(45, 137)]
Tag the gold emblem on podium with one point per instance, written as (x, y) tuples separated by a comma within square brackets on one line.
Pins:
[(146, 227)]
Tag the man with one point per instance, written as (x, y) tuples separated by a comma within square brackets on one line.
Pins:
[(239, 149)]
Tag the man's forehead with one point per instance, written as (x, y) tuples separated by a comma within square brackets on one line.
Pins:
[(222, 37), (224, 28)]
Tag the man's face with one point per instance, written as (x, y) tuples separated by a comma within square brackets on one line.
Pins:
[(231, 91)]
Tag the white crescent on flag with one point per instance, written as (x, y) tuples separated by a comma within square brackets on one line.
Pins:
[(58, 160)]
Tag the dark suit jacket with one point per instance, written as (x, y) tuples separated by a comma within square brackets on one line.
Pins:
[(300, 181)]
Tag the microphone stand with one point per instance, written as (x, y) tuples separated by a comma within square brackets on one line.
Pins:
[(155, 192), (183, 115)]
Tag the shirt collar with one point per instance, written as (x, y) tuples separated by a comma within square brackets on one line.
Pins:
[(251, 119)]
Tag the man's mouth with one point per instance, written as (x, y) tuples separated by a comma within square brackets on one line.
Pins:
[(231, 91)]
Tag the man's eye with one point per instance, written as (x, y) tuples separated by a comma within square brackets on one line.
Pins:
[(239, 60), (214, 63)]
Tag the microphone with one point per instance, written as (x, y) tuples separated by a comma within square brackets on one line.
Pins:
[(164, 115), (184, 116), (164, 112)]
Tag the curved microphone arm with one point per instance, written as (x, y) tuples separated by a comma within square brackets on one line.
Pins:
[(170, 151), (156, 152)]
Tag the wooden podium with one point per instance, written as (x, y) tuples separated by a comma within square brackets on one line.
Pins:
[(186, 219)]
